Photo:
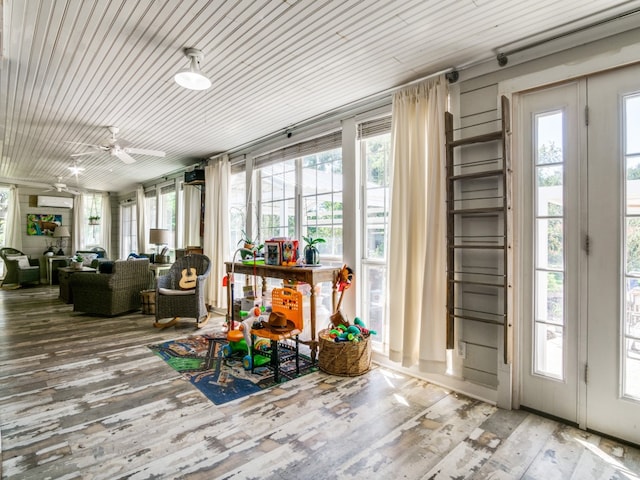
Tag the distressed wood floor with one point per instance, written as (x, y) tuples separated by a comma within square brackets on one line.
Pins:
[(82, 397)]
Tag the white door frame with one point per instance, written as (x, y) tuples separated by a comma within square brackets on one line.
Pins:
[(510, 88)]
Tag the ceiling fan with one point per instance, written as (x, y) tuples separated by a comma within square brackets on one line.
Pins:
[(62, 187), (118, 148)]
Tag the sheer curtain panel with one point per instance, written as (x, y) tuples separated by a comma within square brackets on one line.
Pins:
[(217, 178), (140, 222), (417, 244), (106, 224), (13, 234)]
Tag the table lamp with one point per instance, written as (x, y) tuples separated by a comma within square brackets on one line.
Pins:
[(61, 233), (158, 237)]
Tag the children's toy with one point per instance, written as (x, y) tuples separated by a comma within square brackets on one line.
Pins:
[(240, 339), (343, 281)]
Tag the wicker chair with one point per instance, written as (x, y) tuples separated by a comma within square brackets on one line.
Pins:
[(180, 293), (20, 268), (112, 293)]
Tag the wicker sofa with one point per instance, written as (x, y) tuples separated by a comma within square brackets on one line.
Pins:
[(112, 293)]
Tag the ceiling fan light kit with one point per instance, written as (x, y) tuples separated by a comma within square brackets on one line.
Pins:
[(192, 78)]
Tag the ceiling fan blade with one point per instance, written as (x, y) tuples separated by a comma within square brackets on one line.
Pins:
[(93, 145), (83, 153), (122, 155), (143, 151)]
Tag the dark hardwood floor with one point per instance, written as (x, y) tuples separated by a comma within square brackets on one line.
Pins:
[(83, 397)]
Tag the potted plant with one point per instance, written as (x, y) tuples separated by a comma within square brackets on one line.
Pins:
[(94, 220), (246, 242), (76, 261), (311, 253)]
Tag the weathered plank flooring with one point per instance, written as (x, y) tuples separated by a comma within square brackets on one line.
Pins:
[(82, 397)]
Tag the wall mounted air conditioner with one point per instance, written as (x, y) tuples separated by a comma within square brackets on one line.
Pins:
[(58, 202)]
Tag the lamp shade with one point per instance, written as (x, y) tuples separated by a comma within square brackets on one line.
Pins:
[(159, 236), (61, 232)]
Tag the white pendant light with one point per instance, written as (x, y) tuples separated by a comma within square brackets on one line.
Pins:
[(192, 78)]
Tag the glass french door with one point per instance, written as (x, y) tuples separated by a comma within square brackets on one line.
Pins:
[(581, 327)]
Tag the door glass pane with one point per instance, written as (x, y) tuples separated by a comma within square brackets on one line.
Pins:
[(631, 343), (548, 352), (549, 190), (548, 338), (549, 243)]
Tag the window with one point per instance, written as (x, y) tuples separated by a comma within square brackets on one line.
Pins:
[(300, 193), (237, 209), (322, 200), (93, 225), (375, 160), (631, 361), (277, 200), (128, 229), (167, 210), (549, 246)]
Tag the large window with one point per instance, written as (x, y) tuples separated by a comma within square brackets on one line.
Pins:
[(93, 224), (167, 210), (322, 200), (237, 210), (128, 230), (299, 193), (277, 200), (375, 154), (549, 246)]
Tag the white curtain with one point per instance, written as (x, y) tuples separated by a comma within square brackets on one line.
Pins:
[(13, 233), (77, 234), (140, 220), (417, 244), (106, 224), (217, 177), (192, 206)]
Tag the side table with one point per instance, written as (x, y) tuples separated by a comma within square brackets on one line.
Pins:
[(50, 265), (159, 269), (64, 275)]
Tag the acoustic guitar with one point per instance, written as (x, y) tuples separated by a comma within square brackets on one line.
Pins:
[(189, 278)]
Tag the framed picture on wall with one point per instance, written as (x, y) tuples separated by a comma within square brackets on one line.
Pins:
[(272, 253), (42, 223)]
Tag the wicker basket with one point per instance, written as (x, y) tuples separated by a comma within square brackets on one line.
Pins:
[(348, 359), (148, 300)]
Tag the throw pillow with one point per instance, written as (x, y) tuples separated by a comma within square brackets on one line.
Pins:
[(23, 260), (87, 258)]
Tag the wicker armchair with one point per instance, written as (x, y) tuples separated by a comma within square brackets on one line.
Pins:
[(20, 268), (180, 293), (112, 293)]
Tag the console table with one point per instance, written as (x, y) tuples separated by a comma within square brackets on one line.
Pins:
[(310, 275), (66, 295)]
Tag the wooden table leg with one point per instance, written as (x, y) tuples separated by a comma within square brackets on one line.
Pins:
[(313, 344)]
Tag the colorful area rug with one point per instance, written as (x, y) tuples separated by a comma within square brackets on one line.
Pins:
[(200, 360)]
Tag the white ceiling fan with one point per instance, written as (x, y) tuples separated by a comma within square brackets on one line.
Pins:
[(118, 148), (62, 187)]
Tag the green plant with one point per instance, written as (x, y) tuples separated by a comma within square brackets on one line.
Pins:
[(77, 258), (310, 241)]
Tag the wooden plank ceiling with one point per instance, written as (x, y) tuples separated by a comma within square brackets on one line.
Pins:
[(70, 68)]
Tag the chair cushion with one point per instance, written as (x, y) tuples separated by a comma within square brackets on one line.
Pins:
[(168, 291)]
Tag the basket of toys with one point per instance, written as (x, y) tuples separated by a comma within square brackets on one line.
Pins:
[(345, 351)]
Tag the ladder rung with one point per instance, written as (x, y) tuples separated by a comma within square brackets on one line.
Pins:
[(487, 137)]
